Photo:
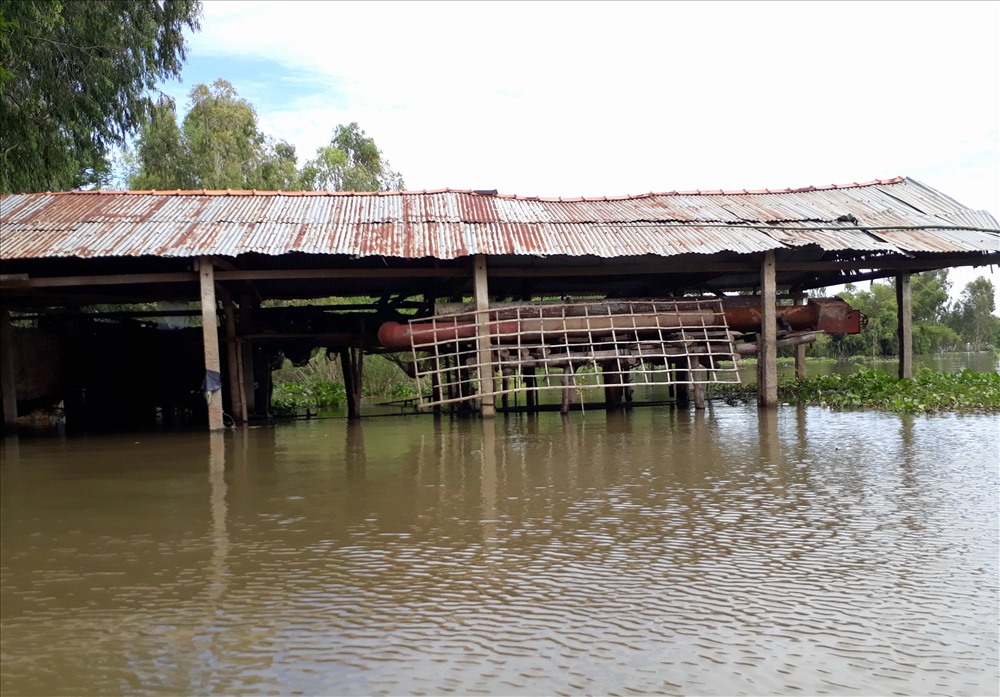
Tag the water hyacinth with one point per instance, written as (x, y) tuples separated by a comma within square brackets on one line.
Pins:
[(927, 392)]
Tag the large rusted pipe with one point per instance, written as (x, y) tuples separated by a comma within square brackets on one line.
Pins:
[(740, 314), (397, 335)]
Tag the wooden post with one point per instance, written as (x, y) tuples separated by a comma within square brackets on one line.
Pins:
[(682, 392), (699, 387), (210, 336), (8, 370), (613, 394), (246, 356), (531, 396), (567, 390), (904, 316), (487, 404), (767, 347), (232, 356), (800, 350), (244, 413), (352, 363)]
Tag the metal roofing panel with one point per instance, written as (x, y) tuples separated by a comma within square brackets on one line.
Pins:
[(449, 224)]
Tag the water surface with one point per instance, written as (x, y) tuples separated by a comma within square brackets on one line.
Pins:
[(657, 551)]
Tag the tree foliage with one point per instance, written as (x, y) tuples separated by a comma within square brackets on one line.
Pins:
[(351, 162), (973, 316), (75, 80), (218, 146)]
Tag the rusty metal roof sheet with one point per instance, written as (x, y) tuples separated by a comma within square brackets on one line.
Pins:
[(896, 215)]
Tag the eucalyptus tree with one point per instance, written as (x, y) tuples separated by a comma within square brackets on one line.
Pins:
[(218, 146), (75, 82), (350, 162)]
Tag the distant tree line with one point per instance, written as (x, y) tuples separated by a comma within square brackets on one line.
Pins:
[(939, 324)]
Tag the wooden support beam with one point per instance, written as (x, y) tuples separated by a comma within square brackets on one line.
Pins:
[(210, 337), (767, 345), (125, 279), (8, 370), (487, 404), (904, 317), (333, 274), (667, 266)]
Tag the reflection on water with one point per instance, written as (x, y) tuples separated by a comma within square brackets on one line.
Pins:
[(657, 551)]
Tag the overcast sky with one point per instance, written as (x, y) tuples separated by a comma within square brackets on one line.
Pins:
[(595, 98)]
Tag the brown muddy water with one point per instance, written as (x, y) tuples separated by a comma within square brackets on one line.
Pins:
[(659, 551)]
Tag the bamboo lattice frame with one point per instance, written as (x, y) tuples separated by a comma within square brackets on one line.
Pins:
[(542, 346)]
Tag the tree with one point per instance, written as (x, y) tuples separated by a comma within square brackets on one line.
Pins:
[(351, 162), (75, 79), (219, 146), (973, 318), (929, 307), (162, 159), (879, 336)]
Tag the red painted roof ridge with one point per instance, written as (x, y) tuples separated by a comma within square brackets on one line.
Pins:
[(560, 199)]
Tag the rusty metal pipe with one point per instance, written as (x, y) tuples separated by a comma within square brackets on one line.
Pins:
[(740, 314)]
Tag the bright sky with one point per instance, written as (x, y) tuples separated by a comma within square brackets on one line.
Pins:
[(610, 98)]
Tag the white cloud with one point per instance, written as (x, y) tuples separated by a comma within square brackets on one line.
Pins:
[(595, 98)]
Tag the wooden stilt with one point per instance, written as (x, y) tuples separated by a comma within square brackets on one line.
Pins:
[(531, 382), (567, 390), (699, 387), (351, 363), (682, 390), (436, 390), (800, 349), (232, 357), (487, 404), (247, 356), (613, 394), (210, 337), (767, 346), (244, 412), (8, 370), (904, 316)]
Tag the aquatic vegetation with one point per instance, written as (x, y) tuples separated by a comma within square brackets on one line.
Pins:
[(291, 398), (927, 392)]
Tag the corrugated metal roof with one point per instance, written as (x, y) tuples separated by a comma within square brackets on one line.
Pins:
[(897, 215)]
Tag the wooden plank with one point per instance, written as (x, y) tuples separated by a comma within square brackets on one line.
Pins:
[(767, 348), (668, 265), (107, 280), (8, 370), (210, 337), (904, 317), (333, 274), (487, 408)]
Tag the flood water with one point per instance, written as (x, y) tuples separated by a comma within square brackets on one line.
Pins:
[(657, 551)]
